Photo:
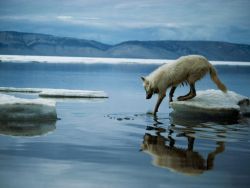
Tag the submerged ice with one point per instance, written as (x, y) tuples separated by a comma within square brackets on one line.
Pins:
[(27, 128)]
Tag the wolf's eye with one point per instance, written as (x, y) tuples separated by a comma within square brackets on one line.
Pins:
[(147, 88)]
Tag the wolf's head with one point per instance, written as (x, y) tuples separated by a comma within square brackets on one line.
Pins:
[(148, 88)]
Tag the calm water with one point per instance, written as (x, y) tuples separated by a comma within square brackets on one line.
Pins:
[(113, 142)]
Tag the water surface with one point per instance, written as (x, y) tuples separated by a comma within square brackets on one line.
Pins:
[(114, 142)]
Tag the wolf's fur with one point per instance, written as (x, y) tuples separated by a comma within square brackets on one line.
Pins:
[(186, 69)]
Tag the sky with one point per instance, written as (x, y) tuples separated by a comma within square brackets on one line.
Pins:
[(114, 21)]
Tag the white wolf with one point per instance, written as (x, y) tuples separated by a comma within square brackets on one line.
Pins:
[(186, 69)]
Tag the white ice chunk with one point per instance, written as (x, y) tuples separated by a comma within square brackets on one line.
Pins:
[(94, 60), (213, 102), (13, 109), (24, 90), (58, 93), (77, 60), (64, 93)]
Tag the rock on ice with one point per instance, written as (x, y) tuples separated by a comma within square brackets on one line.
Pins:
[(214, 103), (18, 109)]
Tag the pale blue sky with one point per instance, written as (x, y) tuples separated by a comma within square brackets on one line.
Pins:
[(113, 21)]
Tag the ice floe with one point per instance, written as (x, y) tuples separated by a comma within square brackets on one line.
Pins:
[(213, 103), (64, 93), (94, 60), (23, 90), (58, 93), (19, 109), (76, 60)]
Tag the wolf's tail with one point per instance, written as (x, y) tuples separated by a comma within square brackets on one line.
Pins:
[(214, 77)]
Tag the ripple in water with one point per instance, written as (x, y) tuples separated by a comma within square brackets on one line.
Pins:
[(189, 147)]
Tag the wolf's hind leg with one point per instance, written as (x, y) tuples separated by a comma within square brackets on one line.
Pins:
[(180, 97), (190, 95)]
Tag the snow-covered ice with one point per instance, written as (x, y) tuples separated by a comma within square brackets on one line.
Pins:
[(19, 109), (64, 93), (58, 93), (24, 90), (94, 60), (214, 103), (77, 60)]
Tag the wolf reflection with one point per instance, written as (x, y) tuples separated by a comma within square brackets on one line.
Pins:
[(182, 160)]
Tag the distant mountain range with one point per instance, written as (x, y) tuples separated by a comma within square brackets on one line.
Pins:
[(18, 43)]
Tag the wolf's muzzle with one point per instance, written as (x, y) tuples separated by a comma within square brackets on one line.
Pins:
[(148, 96)]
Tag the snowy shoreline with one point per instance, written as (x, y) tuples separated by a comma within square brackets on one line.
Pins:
[(97, 60)]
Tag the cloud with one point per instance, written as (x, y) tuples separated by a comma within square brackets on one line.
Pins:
[(73, 19), (64, 18), (116, 24), (117, 20), (28, 18)]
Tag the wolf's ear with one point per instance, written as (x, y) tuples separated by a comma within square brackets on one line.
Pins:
[(143, 78)]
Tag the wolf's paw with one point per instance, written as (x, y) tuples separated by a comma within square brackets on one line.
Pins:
[(150, 113), (181, 98)]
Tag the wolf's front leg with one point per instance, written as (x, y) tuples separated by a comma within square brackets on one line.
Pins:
[(160, 98), (171, 93)]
